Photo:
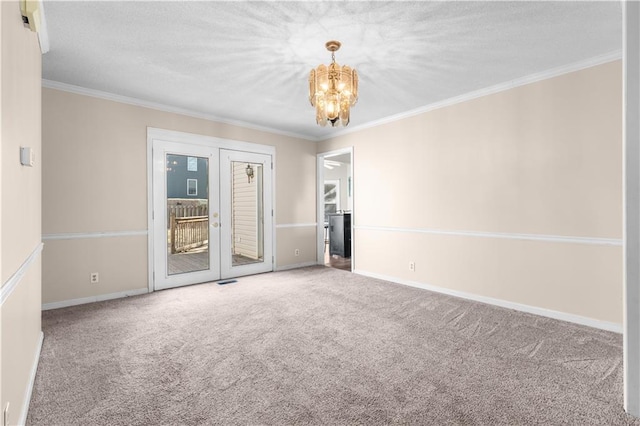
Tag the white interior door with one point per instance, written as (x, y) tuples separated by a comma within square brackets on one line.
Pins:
[(246, 213), (186, 202)]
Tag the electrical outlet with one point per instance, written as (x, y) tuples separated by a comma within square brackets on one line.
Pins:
[(95, 278), (296, 252), (412, 266)]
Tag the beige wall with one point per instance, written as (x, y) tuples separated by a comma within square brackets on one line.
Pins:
[(301, 238), (20, 200), (542, 159), (95, 181), (67, 263)]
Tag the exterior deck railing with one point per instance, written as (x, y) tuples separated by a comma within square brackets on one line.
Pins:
[(187, 233), (180, 210)]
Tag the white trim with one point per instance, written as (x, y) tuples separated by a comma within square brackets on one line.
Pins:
[(43, 32), (501, 87), (49, 84), (154, 133), (576, 319), (504, 235), (296, 225), (32, 380), (15, 279), (295, 266), (274, 254), (631, 204), (92, 299), (150, 213), (82, 235)]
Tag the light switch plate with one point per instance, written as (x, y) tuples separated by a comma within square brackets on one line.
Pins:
[(27, 156)]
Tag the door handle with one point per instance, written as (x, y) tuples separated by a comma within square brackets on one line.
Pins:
[(215, 224)]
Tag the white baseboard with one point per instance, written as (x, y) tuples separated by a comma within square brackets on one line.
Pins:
[(32, 380), (91, 299), (563, 316), (296, 266)]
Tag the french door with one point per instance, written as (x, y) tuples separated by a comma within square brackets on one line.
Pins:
[(212, 213), (246, 241)]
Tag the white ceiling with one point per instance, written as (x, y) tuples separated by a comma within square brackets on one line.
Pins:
[(249, 61), (340, 158)]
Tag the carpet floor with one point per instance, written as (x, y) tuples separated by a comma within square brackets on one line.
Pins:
[(320, 346)]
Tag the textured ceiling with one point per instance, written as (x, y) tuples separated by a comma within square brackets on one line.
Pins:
[(249, 61)]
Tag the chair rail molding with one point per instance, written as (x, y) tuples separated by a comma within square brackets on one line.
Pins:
[(15, 279)]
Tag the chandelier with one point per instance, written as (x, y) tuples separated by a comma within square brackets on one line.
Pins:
[(333, 90)]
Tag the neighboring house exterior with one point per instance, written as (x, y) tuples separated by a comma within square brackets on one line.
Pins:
[(187, 177)]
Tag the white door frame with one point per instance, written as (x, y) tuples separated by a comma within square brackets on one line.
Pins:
[(320, 203), (631, 200), (211, 142)]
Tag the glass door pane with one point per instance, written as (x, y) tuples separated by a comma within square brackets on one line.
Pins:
[(188, 213), (247, 213), (246, 244)]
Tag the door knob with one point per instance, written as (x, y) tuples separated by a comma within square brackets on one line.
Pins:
[(215, 224)]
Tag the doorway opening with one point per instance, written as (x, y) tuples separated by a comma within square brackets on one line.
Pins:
[(335, 209)]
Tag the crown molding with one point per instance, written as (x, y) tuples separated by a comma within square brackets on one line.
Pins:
[(501, 87), (50, 84), (532, 78)]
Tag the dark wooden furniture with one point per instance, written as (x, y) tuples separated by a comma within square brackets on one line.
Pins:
[(340, 234)]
